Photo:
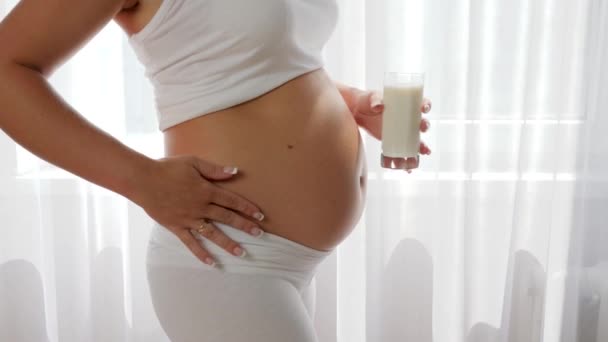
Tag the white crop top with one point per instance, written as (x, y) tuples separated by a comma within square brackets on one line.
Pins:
[(202, 56)]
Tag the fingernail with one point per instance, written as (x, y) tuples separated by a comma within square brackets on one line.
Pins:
[(257, 232), (238, 251), (230, 169), (258, 216), (375, 102), (210, 262), (377, 108)]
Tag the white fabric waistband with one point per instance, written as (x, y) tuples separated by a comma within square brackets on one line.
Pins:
[(270, 255)]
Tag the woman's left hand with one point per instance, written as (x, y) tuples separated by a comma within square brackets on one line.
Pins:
[(367, 109)]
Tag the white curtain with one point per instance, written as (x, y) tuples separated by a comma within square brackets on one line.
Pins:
[(501, 235)]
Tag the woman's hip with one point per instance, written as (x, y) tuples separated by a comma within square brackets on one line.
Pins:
[(269, 255)]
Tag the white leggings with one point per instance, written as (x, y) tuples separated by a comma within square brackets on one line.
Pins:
[(268, 295)]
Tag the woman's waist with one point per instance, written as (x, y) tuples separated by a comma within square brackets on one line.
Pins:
[(299, 154), (307, 184), (317, 167)]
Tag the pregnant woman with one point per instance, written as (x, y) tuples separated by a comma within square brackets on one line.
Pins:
[(237, 83)]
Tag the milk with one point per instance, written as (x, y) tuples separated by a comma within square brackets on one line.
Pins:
[(401, 120)]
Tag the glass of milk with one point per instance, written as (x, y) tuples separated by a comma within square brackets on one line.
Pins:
[(402, 115)]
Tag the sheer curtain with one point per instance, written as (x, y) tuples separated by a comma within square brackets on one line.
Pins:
[(501, 235)]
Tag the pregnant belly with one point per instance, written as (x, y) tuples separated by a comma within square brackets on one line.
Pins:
[(299, 153)]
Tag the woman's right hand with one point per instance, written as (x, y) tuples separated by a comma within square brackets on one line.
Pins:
[(178, 193)]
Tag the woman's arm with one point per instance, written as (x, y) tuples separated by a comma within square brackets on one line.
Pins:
[(36, 37)]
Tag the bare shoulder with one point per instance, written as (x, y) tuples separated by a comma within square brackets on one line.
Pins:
[(136, 14)]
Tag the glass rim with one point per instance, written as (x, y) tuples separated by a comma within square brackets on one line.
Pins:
[(405, 78)]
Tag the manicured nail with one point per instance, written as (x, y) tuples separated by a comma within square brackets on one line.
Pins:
[(378, 108), (210, 262), (230, 169), (375, 102), (257, 232), (258, 216), (238, 251)]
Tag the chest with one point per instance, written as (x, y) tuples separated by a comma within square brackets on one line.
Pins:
[(267, 22), (219, 34)]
